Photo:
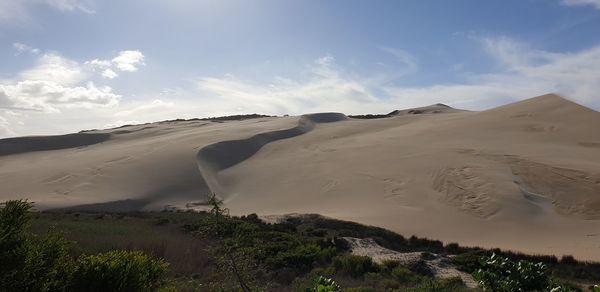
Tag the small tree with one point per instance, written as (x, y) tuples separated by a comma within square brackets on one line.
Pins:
[(221, 230), (216, 205)]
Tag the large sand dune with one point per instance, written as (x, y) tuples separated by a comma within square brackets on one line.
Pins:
[(525, 176)]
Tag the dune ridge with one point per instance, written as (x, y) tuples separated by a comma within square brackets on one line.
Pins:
[(222, 155), (18, 145)]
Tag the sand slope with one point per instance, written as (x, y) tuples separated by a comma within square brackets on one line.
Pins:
[(525, 176)]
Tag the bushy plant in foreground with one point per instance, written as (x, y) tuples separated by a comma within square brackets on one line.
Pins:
[(43, 263), (502, 274), (323, 284), (27, 262), (119, 271)]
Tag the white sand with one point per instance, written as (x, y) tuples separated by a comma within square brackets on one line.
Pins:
[(525, 176)]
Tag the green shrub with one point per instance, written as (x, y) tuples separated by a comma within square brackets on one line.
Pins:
[(405, 275), (502, 274), (448, 284), (119, 271), (355, 266), (30, 263), (322, 284), (359, 289), (469, 261)]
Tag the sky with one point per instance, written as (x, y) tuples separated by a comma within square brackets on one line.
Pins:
[(71, 65)]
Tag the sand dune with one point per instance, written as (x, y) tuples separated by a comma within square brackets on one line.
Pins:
[(524, 176), (30, 144), (222, 155)]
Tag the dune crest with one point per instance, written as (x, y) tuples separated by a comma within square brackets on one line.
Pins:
[(43, 143), (222, 155)]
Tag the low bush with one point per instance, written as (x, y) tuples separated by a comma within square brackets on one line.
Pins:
[(502, 274), (119, 271), (28, 262), (43, 263), (322, 284), (355, 266)]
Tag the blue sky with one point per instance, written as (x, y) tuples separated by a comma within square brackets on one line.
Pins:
[(68, 65)]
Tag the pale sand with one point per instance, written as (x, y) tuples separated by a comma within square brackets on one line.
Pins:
[(441, 266), (525, 176)]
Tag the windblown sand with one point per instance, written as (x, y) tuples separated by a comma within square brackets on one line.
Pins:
[(525, 176)]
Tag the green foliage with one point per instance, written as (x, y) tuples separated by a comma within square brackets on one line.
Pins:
[(447, 284), (406, 276), (43, 263), (119, 271), (30, 263), (502, 274), (355, 266), (48, 264), (14, 217), (323, 284), (469, 261), (216, 207)]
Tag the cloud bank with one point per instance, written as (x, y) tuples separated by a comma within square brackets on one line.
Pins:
[(594, 3), (523, 72)]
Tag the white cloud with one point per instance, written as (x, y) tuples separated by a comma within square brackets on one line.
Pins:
[(129, 60), (98, 64), (145, 109), (5, 127), (71, 5), (124, 61), (48, 96), (52, 67), (522, 72), (52, 84), (326, 88), (406, 59), (22, 48), (120, 123), (18, 11), (109, 73), (595, 3), (55, 84), (13, 11)]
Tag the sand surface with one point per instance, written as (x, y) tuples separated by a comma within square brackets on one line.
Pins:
[(525, 176), (440, 265)]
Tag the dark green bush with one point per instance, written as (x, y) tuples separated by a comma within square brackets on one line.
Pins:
[(469, 261), (355, 266), (406, 276), (27, 262), (447, 284), (43, 263), (119, 271), (502, 274), (322, 284)]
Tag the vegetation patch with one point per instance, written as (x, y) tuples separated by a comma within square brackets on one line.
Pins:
[(213, 251)]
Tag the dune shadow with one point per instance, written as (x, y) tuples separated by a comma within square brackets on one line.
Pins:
[(222, 155), (18, 145), (225, 154)]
